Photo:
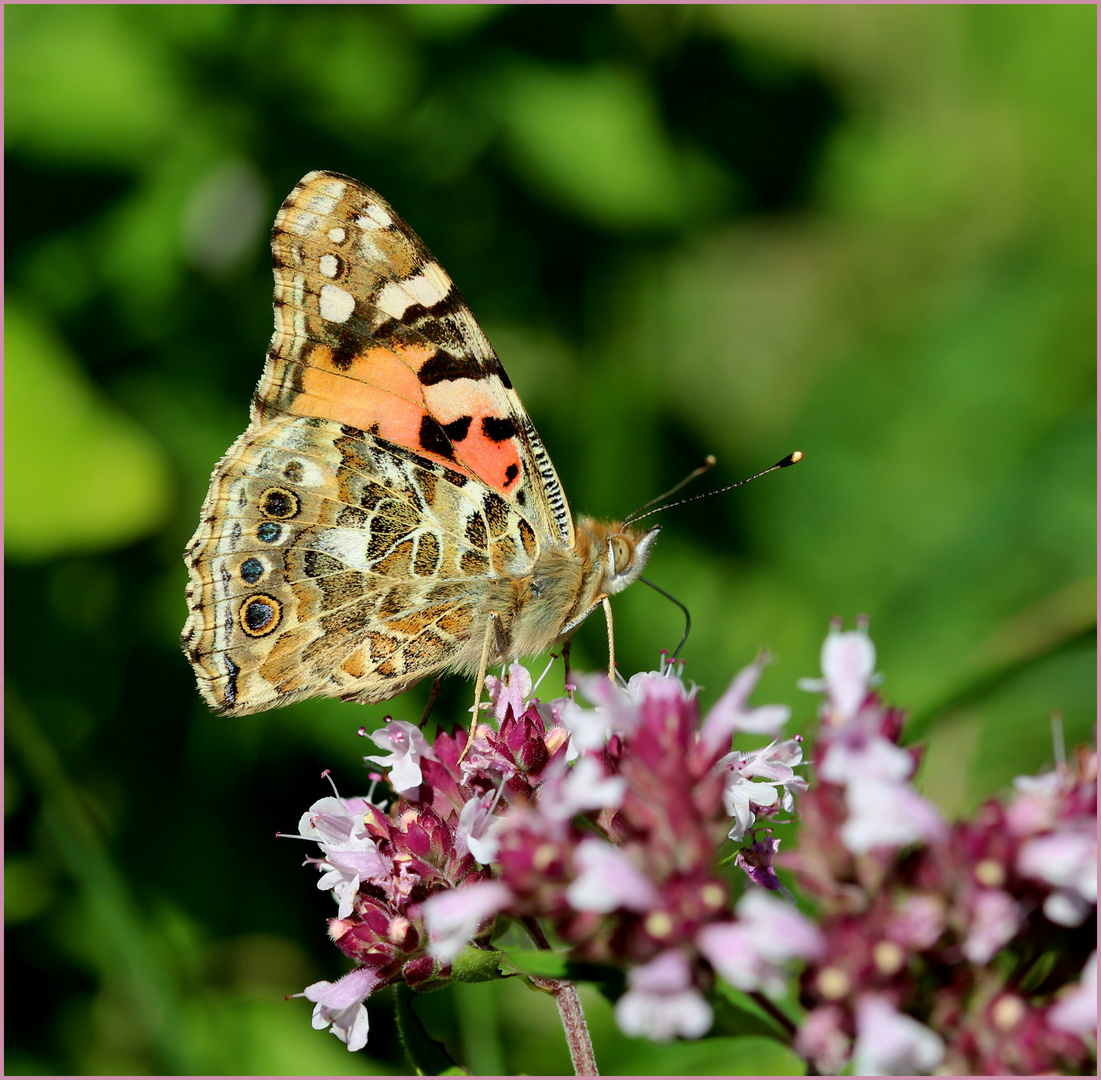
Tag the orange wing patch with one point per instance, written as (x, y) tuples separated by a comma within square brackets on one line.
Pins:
[(380, 391)]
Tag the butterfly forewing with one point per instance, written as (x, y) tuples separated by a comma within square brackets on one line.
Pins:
[(371, 331)]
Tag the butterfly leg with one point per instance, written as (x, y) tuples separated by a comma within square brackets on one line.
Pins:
[(606, 601), (493, 633), (432, 695), (602, 600)]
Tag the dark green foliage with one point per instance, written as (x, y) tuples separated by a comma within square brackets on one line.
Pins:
[(866, 233)]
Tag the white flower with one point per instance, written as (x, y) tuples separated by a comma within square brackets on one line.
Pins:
[(662, 1002), (453, 917), (854, 752), (329, 821), (774, 763), (589, 728), (340, 1006), (348, 865), (889, 1043), (407, 746), (478, 828), (584, 787)]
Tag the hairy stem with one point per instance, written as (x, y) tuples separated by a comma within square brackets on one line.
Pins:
[(569, 1009)]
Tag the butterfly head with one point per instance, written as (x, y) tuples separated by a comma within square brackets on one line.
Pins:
[(620, 551)]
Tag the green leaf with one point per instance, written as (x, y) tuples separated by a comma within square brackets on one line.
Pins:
[(89, 84), (547, 964), (428, 1057), (594, 140), (80, 474), (711, 1057), (738, 1014), (542, 963)]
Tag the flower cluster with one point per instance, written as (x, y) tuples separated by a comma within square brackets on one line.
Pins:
[(611, 823), (947, 948), (605, 825)]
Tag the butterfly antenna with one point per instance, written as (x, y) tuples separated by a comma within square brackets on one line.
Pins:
[(699, 470), (687, 617), (791, 459)]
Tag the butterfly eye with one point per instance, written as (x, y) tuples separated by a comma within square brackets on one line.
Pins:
[(621, 553)]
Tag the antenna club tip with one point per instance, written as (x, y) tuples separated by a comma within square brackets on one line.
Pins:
[(710, 461), (792, 458)]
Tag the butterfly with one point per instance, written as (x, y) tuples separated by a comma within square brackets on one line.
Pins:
[(390, 512)]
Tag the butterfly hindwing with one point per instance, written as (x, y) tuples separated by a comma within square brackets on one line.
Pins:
[(332, 563)]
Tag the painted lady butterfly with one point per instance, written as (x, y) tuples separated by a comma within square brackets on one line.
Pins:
[(390, 513)]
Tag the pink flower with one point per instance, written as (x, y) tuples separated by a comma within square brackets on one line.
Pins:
[(1066, 860), (995, 918), (848, 670), (730, 713), (407, 746), (822, 1040), (454, 917), (884, 814), (1035, 809), (1077, 1011), (340, 1006), (510, 695), (889, 1043), (919, 922), (662, 1001), (752, 953), (608, 880)]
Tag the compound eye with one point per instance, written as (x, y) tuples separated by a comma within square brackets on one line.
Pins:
[(622, 554)]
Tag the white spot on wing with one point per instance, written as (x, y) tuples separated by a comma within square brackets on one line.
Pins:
[(322, 205), (349, 546), (374, 217), (337, 235), (336, 304), (430, 286), (302, 223), (369, 249), (392, 300), (328, 265), (331, 186)]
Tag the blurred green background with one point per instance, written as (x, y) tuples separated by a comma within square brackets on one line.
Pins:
[(864, 232)]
